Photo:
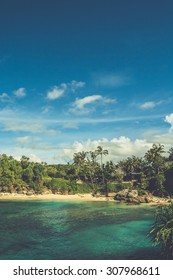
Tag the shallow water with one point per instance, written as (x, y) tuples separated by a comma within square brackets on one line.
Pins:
[(75, 230)]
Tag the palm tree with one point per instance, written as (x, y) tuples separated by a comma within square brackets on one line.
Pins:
[(93, 156), (79, 160), (99, 151)]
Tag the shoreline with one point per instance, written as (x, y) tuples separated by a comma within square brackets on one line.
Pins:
[(71, 197), (75, 197)]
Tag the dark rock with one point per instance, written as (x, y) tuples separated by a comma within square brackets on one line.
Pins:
[(132, 194), (132, 197), (125, 194)]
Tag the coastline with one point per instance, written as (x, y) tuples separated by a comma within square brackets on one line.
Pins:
[(76, 197), (72, 197)]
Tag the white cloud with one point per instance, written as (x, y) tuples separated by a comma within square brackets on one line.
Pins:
[(111, 80), (21, 92), (74, 85), (79, 106), (149, 105), (4, 97), (169, 119), (55, 93), (80, 103), (165, 138), (119, 148), (17, 152), (58, 91), (109, 100), (32, 157), (122, 147)]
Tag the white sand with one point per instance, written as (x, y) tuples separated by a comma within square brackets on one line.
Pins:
[(82, 197)]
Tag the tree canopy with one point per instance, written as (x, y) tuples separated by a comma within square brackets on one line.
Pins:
[(90, 172)]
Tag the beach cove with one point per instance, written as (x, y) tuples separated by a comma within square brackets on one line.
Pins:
[(76, 229)]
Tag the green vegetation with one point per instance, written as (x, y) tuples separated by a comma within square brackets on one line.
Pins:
[(162, 230), (89, 172)]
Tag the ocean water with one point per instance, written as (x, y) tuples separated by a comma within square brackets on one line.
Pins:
[(49, 230)]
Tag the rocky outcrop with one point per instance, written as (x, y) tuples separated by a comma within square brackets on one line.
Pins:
[(127, 195), (132, 197)]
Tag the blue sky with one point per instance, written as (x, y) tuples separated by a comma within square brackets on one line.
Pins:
[(78, 74)]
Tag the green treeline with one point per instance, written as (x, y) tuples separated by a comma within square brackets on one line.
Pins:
[(89, 172)]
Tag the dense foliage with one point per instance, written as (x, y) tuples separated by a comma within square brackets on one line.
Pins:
[(89, 172), (162, 230)]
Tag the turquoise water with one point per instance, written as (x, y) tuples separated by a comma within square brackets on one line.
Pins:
[(75, 230)]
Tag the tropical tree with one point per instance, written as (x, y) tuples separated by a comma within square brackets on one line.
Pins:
[(93, 156), (92, 167), (79, 160), (24, 162), (162, 230), (110, 171), (155, 168), (101, 152), (170, 154), (28, 175), (154, 158), (132, 167)]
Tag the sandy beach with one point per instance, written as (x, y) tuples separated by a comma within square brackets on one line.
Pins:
[(73, 197)]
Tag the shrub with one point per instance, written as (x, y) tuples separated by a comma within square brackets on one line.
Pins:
[(116, 187), (62, 185), (83, 188), (162, 230)]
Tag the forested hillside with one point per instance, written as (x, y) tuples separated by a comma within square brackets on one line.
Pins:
[(89, 172)]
